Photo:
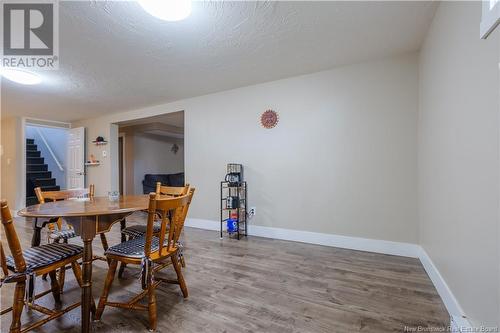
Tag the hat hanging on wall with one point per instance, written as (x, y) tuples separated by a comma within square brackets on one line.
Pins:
[(99, 141), (269, 119)]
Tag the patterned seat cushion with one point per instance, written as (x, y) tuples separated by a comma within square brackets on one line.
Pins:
[(135, 231), (133, 248), (44, 255), (63, 234)]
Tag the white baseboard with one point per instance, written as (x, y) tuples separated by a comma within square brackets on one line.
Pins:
[(202, 224), (444, 291), (356, 243), (461, 325), (347, 242)]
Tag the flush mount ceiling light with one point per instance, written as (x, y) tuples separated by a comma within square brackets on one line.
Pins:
[(20, 76), (168, 10)]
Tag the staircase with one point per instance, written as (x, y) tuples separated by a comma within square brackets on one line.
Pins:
[(37, 173)]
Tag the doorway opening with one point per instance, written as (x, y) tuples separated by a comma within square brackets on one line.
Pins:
[(45, 157), (120, 164), (150, 150)]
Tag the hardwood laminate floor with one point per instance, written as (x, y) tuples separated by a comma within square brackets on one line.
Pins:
[(258, 285)]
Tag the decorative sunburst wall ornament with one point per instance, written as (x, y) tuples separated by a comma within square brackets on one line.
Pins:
[(269, 119)]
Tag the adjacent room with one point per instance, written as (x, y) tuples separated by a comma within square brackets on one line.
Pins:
[(140, 165), (250, 166)]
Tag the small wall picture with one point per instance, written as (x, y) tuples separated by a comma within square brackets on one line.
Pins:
[(269, 119)]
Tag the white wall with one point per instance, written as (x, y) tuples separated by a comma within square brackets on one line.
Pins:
[(459, 158), (11, 140), (342, 159), (154, 156)]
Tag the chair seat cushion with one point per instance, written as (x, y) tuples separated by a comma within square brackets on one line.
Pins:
[(62, 234), (44, 255), (139, 230), (133, 248)]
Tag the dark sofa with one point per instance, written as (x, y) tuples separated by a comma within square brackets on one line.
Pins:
[(149, 182)]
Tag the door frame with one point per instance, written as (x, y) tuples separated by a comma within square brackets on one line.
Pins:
[(36, 122), (123, 162)]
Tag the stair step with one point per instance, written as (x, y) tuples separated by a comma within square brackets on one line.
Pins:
[(31, 146), (33, 153), (38, 174), (45, 182), (50, 188), (35, 160), (31, 201), (37, 167), (30, 186)]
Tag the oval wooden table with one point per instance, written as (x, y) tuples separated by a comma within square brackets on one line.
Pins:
[(88, 217)]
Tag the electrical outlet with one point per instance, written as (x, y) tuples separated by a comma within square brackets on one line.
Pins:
[(104, 153), (252, 211)]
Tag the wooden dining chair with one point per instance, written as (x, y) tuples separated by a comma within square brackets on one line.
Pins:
[(139, 230), (152, 252), (27, 265), (57, 231)]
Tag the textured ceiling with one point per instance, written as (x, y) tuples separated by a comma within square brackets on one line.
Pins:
[(115, 57)]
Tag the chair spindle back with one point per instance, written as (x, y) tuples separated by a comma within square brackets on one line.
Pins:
[(173, 211), (12, 239), (172, 191), (44, 196)]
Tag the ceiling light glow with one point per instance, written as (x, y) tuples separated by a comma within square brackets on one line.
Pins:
[(20, 76), (168, 10)]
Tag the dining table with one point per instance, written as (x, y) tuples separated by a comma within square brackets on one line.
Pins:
[(88, 217)]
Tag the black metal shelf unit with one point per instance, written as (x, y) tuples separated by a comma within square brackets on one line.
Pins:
[(233, 204)]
